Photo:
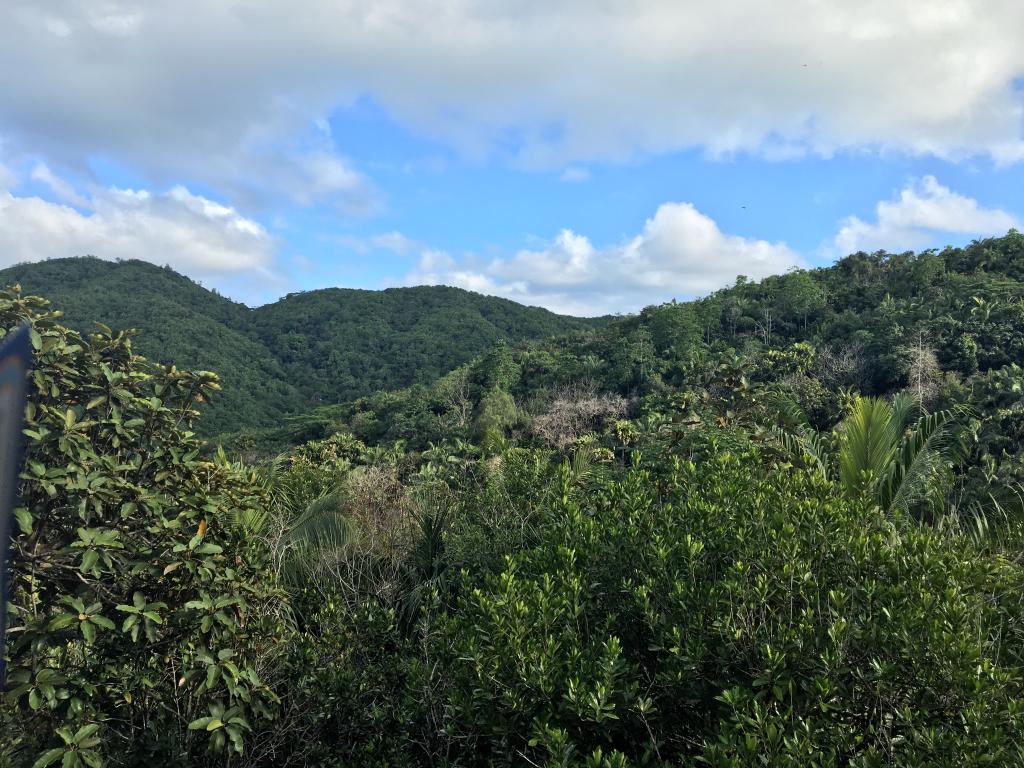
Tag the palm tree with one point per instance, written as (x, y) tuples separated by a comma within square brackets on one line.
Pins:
[(302, 531), (312, 542), (889, 452)]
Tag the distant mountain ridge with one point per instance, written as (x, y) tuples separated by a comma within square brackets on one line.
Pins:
[(322, 346)]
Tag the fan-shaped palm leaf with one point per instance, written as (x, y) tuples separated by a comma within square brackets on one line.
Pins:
[(322, 528)]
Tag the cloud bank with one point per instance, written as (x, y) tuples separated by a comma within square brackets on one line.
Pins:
[(234, 94), (680, 252), (202, 238)]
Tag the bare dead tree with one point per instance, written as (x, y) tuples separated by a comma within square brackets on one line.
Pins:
[(574, 412), (924, 373), (842, 366)]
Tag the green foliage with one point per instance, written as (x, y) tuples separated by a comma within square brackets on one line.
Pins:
[(800, 296), (585, 550), (496, 412), (740, 618), (885, 452), (287, 357), (135, 615), (870, 324), (183, 323)]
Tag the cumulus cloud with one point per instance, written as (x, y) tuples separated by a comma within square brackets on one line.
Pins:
[(168, 85), (193, 234), (913, 219), (679, 253)]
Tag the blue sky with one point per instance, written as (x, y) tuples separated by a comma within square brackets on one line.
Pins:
[(588, 157)]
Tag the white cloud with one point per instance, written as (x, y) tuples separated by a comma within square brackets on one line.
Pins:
[(176, 91), (679, 253), (575, 174), (322, 175), (199, 88), (922, 210), (193, 234), (61, 188)]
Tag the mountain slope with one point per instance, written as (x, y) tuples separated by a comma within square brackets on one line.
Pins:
[(946, 325), (342, 343), (181, 322), (284, 358)]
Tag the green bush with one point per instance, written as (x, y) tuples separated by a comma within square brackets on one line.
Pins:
[(349, 692), (136, 619), (743, 617)]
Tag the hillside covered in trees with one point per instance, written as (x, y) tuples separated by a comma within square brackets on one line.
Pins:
[(778, 526), (942, 324), (323, 346)]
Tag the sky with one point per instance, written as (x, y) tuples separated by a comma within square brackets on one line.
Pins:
[(588, 156)]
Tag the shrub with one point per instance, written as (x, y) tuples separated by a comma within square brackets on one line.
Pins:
[(741, 617), (133, 623)]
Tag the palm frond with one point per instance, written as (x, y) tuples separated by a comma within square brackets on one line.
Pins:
[(427, 562), (785, 408), (906, 408), (323, 523), (809, 447), (868, 440), (249, 521), (818, 447), (923, 452), (322, 529), (995, 523), (581, 465)]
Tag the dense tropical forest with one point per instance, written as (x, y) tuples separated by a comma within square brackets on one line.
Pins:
[(777, 526), (322, 346)]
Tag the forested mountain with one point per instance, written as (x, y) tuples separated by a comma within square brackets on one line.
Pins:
[(338, 343), (181, 323), (779, 526), (284, 358), (940, 322)]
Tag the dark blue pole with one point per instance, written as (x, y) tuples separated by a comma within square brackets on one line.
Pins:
[(15, 357)]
